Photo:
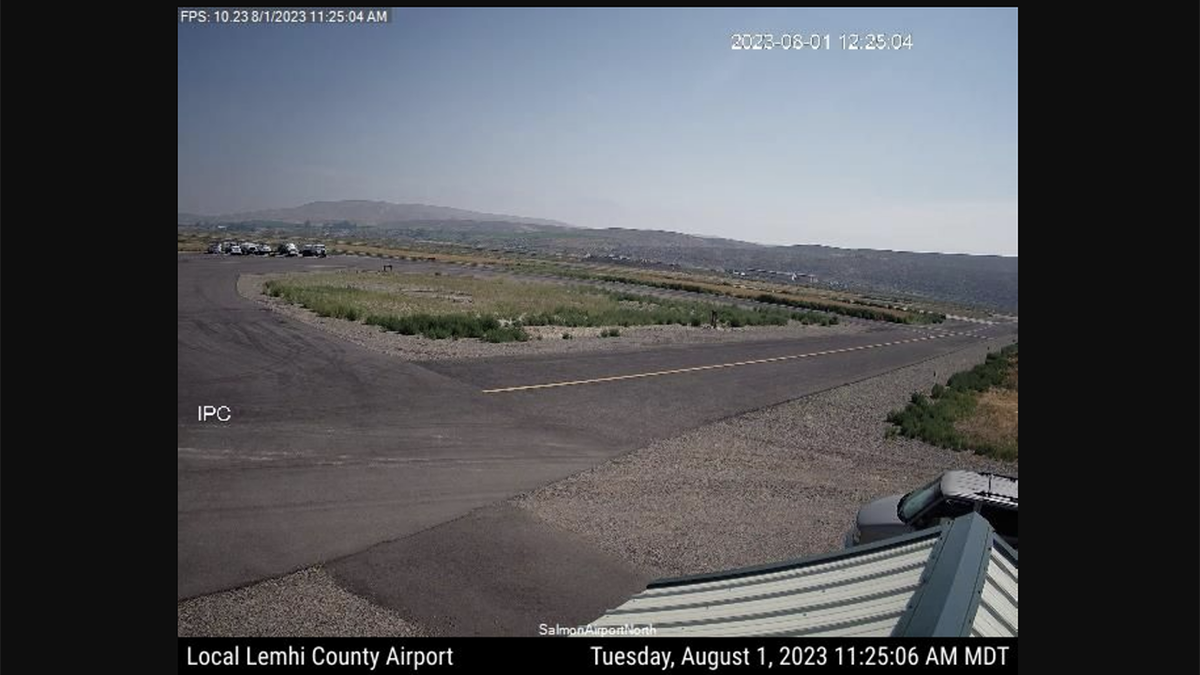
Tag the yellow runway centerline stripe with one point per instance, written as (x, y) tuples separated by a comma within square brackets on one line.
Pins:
[(696, 369)]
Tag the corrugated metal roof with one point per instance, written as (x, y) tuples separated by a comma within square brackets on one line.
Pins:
[(929, 583), (860, 594), (997, 613)]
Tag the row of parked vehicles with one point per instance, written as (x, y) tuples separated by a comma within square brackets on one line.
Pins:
[(288, 249)]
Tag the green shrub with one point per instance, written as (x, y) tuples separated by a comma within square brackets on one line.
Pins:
[(506, 334), (453, 326), (933, 421)]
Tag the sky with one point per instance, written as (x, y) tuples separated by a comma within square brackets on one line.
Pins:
[(620, 118)]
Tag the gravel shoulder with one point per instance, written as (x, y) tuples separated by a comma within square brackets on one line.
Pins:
[(773, 484), (308, 603), (584, 340)]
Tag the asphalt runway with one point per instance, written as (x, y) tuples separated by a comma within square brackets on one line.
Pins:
[(395, 470)]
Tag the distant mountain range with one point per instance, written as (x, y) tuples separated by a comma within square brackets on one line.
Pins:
[(977, 280), (362, 212)]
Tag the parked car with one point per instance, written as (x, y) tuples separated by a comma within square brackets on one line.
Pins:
[(313, 250), (236, 249), (953, 494), (213, 248)]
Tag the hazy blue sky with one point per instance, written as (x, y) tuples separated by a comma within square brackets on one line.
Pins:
[(627, 118)]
